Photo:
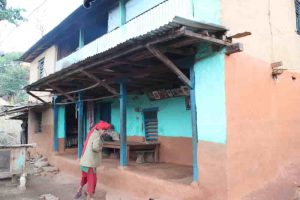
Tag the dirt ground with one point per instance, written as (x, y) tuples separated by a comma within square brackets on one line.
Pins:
[(61, 186)]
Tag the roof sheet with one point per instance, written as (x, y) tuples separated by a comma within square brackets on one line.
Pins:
[(176, 23)]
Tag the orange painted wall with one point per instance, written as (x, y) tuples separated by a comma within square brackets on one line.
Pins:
[(212, 168), (263, 123)]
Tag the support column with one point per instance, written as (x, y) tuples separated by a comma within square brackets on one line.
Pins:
[(55, 121), (123, 134), (81, 38), (80, 118), (122, 4), (194, 126)]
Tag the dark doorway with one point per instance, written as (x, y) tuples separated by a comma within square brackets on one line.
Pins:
[(71, 127), (103, 112)]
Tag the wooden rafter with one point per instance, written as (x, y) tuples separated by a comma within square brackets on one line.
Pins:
[(158, 54), (62, 92), (102, 83)]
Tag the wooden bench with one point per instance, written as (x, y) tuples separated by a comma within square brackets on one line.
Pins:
[(136, 146)]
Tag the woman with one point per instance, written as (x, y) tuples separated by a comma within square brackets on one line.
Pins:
[(91, 159)]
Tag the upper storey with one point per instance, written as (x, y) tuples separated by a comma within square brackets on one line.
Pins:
[(108, 23)]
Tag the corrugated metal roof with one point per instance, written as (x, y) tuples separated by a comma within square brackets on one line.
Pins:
[(23, 108), (176, 23)]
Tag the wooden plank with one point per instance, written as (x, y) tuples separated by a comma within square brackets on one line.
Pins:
[(5, 175), (38, 98), (102, 83), (62, 92), (183, 43), (169, 64), (206, 38)]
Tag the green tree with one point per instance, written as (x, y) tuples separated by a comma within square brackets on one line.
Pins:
[(13, 78), (12, 15)]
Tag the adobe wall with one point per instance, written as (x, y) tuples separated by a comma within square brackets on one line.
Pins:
[(263, 125), (44, 139)]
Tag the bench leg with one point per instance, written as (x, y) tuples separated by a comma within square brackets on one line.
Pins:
[(156, 154)]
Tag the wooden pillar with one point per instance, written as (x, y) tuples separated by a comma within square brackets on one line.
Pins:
[(80, 118), (194, 126), (81, 38), (55, 121), (123, 134), (122, 6)]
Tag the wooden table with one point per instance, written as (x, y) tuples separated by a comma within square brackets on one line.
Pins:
[(135, 146)]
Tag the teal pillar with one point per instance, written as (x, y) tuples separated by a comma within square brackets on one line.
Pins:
[(55, 120), (122, 6), (81, 38), (80, 117), (194, 126), (123, 133)]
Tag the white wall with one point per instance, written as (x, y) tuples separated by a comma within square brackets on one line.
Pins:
[(133, 9), (273, 27)]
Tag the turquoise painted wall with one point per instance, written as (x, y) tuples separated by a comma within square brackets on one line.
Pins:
[(61, 126), (173, 118), (210, 98), (210, 80)]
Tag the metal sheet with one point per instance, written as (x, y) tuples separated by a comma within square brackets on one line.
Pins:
[(152, 22)]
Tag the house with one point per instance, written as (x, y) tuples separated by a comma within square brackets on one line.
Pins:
[(169, 71)]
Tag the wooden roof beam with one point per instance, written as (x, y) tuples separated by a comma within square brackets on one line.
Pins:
[(159, 55), (102, 83), (35, 96), (62, 92)]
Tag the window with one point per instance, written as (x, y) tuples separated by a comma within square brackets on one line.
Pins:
[(38, 117), (41, 68), (151, 124), (297, 4)]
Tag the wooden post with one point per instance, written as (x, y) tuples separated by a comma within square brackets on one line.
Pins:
[(194, 126), (159, 55), (81, 38), (80, 123), (55, 119), (122, 4), (123, 135)]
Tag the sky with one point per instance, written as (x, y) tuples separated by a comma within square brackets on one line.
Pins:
[(42, 16)]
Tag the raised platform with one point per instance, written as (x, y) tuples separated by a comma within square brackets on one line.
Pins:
[(168, 181)]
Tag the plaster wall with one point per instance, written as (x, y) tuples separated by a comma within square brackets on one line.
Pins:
[(273, 27), (44, 139), (50, 56), (263, 124)]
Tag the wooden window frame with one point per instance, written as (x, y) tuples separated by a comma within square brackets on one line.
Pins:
[(41, 68)]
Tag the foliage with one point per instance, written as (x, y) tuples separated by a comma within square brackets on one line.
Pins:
[(12, 15), (13, 77)]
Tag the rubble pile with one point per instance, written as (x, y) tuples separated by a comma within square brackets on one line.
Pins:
[(41, 167)]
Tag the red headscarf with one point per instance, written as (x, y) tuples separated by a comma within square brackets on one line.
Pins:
[(101, 125)]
